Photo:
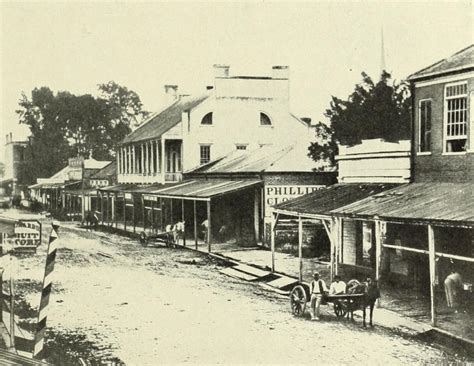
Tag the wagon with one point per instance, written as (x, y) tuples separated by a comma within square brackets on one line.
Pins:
[(301, 294), (166, 238)]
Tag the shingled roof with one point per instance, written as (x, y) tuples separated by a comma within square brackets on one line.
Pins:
[(160, 122), (459, 62)]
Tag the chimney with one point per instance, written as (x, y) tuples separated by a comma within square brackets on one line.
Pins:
[(171, 92), (221, 71), (280, 72)]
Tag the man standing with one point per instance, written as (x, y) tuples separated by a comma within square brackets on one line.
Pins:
[(453, 287), (318, 289)]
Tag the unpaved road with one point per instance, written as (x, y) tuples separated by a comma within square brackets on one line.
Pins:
[(150, 306)]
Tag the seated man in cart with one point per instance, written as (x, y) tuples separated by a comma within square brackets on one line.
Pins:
[(338, 287), (318, 290)]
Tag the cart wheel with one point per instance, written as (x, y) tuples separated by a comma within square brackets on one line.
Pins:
[(339, 309), (143, 239), (298, 300)]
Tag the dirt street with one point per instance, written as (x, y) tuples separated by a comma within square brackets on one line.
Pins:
[(115, 300)]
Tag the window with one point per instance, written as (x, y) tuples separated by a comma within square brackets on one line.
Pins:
[(265, 120), (241, 146), (205, 154), (207, 119), (455, 117), (424, 138)]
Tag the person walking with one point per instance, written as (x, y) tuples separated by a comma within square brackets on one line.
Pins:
[(318, 290)]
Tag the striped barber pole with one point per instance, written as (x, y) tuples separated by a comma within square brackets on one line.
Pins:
[(47, 284)]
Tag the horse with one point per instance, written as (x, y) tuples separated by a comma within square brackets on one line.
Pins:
[(371, 293)]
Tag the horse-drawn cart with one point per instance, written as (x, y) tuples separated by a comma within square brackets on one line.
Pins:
[(344, 303), (166, 238)]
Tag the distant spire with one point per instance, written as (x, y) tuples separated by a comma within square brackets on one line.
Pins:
[(382, 53)]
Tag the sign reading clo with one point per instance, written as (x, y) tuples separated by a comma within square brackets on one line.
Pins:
[(278, 194)]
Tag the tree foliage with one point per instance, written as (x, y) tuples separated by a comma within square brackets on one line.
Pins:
[(65, 125), (373, 110)]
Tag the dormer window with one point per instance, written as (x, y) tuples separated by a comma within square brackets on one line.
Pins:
[(265, 120), (207, 119)]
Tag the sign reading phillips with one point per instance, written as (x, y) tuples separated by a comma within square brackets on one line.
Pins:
[(26, 236), (278, 194)]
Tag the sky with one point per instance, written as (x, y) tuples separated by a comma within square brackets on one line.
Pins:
[(74, 46)]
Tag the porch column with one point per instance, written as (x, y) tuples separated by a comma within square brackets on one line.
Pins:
[(163, 142), (147, 158), (119, 161), (184, 223), (134, 160), (300, 247), (195, 225), (209, 226), (378, 254), (129, 160), (432, 259), (157, 151), (152, 158), (142, 162)]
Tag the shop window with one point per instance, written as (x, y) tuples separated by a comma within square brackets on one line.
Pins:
[(455, 118), (205, 154), (265, 120), (207, 119), (424, 138)]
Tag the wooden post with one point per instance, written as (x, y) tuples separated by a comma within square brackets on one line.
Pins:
[(12, 305), (378, 255), (184, 225), (256, 218), (133, 213), (209, 226), (152, 215), (143, 211), (107, 208), (333, 248), (300, 247), (432, 259), (162, 215), (272, 238), (195, 226), (115, 209), (124, 213), (171, 211), (102, 206), (163, 160)]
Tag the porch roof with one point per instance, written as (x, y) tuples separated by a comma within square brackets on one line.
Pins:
[(438, 203), (323, 201), (201, 189)]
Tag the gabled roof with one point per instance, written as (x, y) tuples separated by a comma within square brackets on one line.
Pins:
[(292, 158), (157, 124), (106, 172), (323, 201), (442, 203), (461, 61), (95, 164)]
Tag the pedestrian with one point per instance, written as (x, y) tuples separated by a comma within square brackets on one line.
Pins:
[(338, 287), (453, 287), (318, 290), (205, 226)]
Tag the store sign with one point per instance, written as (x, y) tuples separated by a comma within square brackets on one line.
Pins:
[(128, 196), (278, 194), (26, 236), (150, 198)]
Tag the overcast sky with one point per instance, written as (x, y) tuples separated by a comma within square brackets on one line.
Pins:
[(143, 46)]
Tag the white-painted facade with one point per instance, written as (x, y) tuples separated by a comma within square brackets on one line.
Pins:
[(242, 113), (374, 161)]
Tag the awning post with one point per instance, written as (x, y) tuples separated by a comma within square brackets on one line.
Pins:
[(432, 259), (184, 224), (378, 254), (209, 226), (102, 206), (330, 233), (195, 225), (115, 209), (124, 213), (300, 247), (273, 225), (142, 199), (256, 218), (133, 212)]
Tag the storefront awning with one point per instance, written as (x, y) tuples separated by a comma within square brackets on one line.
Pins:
[(204, 190), (321, 202), (445, 204)]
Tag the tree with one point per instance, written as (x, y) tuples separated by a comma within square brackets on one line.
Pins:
[(380, 110), (64, 125)]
